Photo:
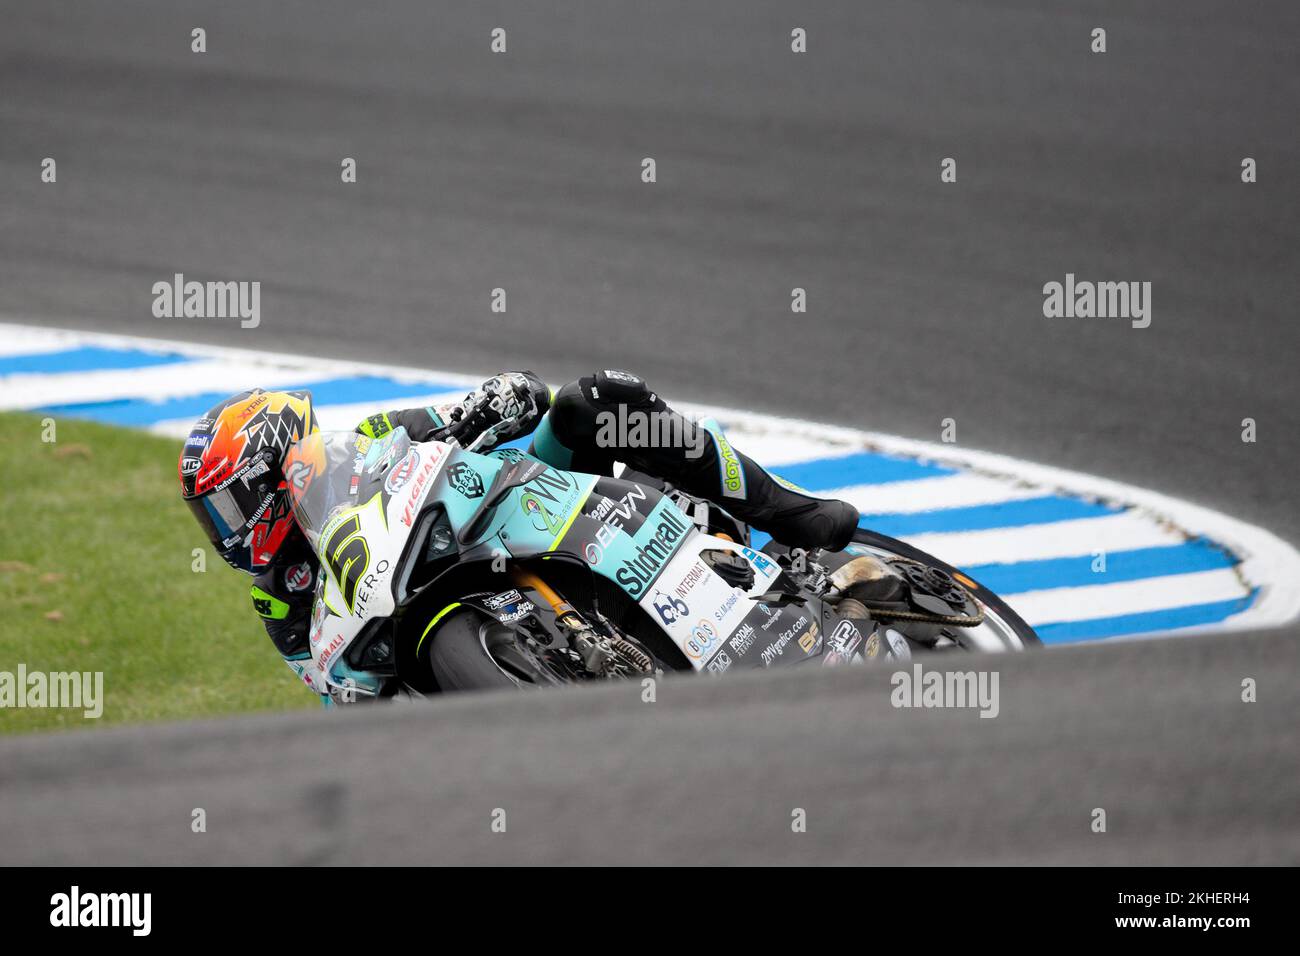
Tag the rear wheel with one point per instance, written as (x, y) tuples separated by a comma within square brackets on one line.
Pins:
[(1002, 629)]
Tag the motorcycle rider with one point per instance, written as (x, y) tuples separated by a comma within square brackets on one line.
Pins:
[(231, 474)]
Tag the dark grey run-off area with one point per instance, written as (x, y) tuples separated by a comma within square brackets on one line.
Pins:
[(775, 170)]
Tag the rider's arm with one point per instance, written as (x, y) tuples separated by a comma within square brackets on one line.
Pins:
[(511, 403), (286, 613)]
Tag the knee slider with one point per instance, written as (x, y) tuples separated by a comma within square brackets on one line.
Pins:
[(616, 387)]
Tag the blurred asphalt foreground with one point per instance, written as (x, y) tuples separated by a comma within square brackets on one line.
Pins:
[(1153, 732)]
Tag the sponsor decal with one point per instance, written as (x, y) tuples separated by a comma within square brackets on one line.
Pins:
[(702, 642), (777, 648), (719, 663), (618, 375), (298, 577), (733, 474), (842, 643), (622, 509), (544, 519), (549, 500), (694, 576), (402, 472), (259, 467), (873, 645), (760, 560), (205, 485), (773, 615), (190, 465), (720, 613), (330, 652), (743, 639), (509, 606), (253, 407), (198, 441), (517, 614), (465, 480), (298, 474), (638, 571), (420, 483), (367, 588), (612, 513), (669, 608), (498, 601), (810, 642)]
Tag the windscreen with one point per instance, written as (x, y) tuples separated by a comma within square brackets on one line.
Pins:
[(329, 471)]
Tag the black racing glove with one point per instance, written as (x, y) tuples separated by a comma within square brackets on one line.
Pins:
[(503, 407)]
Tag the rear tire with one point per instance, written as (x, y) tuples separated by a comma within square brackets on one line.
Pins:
[(987, 597)]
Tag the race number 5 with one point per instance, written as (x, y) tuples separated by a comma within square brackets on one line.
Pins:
[(348, 556)]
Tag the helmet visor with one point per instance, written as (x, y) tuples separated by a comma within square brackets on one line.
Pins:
[(224, 516)]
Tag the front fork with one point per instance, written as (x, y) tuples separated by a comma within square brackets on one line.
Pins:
[(595, 650)]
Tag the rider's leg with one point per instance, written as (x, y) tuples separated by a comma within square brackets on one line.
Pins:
[(592, 422)]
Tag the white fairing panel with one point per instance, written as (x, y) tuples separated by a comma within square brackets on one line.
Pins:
[(695, 607)]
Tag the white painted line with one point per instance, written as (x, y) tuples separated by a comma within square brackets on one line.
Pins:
[(157, 383), (1126, 597), (1036, 542), (928, 494)]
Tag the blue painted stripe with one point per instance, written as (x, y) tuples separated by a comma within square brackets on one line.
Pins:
[(1001, 514), (1191, 616), (338, 391), (1076, 572), (87, 359), (863, 468)]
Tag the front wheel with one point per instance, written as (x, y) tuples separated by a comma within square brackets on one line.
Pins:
[(471, 651)]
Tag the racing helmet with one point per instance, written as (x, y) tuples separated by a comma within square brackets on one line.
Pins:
[(231, 471)]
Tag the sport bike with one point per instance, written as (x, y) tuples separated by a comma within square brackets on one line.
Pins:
[(447, 569)]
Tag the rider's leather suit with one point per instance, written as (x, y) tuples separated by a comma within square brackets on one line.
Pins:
[(570, 432)]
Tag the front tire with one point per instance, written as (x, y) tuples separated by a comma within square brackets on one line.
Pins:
[(459, 656)]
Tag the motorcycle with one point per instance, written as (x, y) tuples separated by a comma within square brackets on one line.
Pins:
[(451, 569)]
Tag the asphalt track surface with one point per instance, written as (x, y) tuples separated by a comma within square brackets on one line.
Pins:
[(775, 170)]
